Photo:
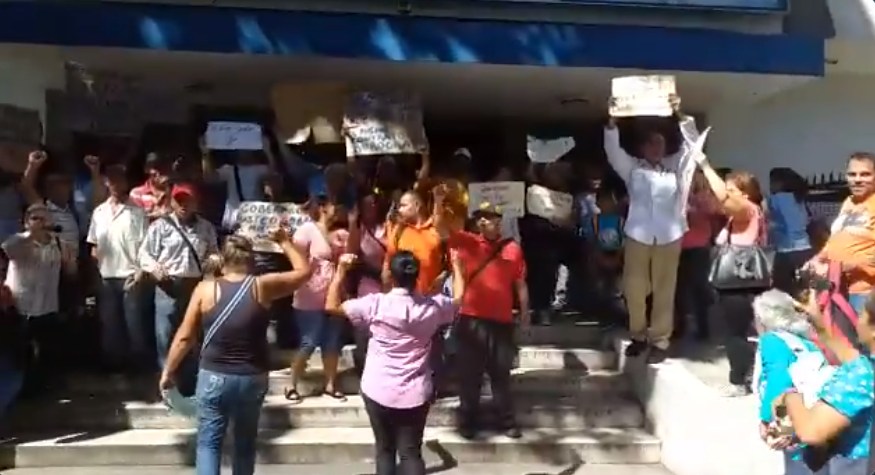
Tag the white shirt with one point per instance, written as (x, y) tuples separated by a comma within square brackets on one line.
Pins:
[(117, 231), (34, 274), (165, 245), (657, 195), (63, 216), (250, 181)]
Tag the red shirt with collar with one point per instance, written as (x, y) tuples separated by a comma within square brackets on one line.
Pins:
[(490, 293)]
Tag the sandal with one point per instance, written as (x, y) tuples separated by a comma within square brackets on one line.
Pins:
[(335, 394), (293, 396)]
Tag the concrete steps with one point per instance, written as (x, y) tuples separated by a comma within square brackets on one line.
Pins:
[(606, 410), (572, 404), (321, 446), (523, 380)]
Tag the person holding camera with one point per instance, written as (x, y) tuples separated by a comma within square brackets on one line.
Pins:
[(37, 257)]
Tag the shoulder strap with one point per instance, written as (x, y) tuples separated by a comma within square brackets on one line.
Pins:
[(399, 231), (374, 237), (238, 182), (491, 257), (226, 312), (791, 340), (186, 241)]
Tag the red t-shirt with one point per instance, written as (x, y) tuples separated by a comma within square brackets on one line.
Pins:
[(144, 197), (490, 293)]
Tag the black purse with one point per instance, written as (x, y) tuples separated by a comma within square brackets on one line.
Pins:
[(741, 267)]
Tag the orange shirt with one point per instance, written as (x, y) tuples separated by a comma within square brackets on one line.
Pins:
[(490, 293), (853, 241), (425, 244)]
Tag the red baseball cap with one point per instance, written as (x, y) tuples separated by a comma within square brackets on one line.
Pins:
[(183, 191)]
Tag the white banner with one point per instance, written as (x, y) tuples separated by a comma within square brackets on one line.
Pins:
[(255, 219), (384, 123), (547, 203), (509, 195), (233, 136), (642, 95), (548, 151)]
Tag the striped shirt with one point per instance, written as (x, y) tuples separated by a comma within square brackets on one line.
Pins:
[(144, 197), (34, 274), (165, 246), (64, 217)]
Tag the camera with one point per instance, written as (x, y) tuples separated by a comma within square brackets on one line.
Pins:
[(812, 280)]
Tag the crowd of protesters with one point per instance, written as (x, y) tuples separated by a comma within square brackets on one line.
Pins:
[(392, 259)]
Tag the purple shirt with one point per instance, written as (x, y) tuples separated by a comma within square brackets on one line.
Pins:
[(401, 326)]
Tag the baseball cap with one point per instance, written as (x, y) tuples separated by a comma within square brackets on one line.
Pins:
[(487, 209), (183, 190)]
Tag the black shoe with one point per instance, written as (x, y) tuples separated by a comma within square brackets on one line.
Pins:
[(513, 432), (467, 432), (636, 348), (657, 355)]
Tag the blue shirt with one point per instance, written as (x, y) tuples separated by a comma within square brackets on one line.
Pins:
[(605, 229), (775, 357), (788, 223), (850, 392)]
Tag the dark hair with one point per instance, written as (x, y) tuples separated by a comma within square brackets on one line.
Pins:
[(404, 268), (155, 161), (863, 157), (787, 180)]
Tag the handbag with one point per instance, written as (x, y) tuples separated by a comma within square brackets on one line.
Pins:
[(741, 266)]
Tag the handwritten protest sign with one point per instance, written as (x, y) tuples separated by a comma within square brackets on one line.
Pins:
[(21, 132), (642, 95), (509, 195), (233, 136), (384, 123), (255, 219), (548, 151), (547, 203)]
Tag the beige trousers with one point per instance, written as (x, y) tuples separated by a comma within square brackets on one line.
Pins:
[(651, 269)]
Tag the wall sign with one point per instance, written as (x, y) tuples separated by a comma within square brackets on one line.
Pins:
[(755, 6)]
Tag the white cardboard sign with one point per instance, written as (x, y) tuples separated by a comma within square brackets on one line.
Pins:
[(384, 123), (233, 136), (642, 95), (547, 203), (548, 151), (509, 195), (255, 219)]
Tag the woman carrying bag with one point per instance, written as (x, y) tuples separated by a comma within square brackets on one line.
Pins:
[(741, 267)]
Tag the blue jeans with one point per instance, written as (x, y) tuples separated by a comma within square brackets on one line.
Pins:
[(11, 379), (318, 329), (222, 399), (171, 300), (837, 465), (123, 328)]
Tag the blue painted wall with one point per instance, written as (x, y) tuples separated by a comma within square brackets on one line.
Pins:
[(399, 38), (749, 6)]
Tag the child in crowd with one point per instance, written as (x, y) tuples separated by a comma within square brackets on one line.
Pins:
[(602, 231)]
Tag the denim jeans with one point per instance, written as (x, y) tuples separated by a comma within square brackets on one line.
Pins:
[(124, 334), (317, 329), (171, 300), (224, 399)]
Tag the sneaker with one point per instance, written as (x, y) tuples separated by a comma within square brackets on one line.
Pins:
[(734, 390), (636, 348), (657, 355)]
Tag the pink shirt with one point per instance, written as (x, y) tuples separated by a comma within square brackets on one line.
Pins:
[(401, 327), (700, 220), (753, 232), (373, 251), (323, 259)]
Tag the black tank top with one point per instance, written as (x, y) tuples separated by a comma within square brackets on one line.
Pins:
[(238, 345)]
